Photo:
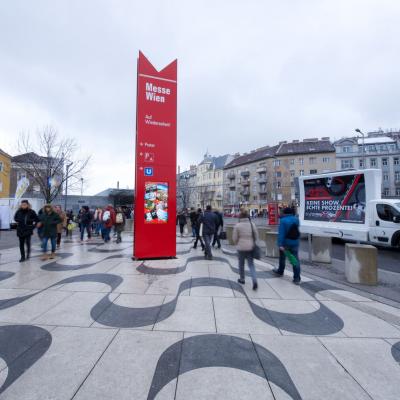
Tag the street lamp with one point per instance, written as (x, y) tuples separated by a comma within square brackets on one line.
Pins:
[(66, 185), (81, 187), (363, 145)]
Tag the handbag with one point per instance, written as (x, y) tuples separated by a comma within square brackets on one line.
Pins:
[(256, 247), (222, 235)]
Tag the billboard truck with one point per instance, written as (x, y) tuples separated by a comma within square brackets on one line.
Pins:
[(348, 205)]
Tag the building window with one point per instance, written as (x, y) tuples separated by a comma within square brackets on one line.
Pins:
[(326, 160), (301, 172), (1, 186), (382, 148), (313, 160), (21, 175), (292, 173), (371, 148), (1, 166), (277, 163), (361, 162), (301, 161), (397, 191), (384, 161), (396, 161), (278, 174), (278, 184), (292, 161), (372, 162), (397, 176), (346, 149), (346, 164), (385, 177), (313, 171), (385, 192)]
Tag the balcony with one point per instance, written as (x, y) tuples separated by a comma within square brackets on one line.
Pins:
[(262, 180), (261, 170), (232, 185), (245, 182), (245, 173), (231, 175), (245, 192), (263, 191)]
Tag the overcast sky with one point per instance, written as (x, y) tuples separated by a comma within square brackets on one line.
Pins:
[(250, 73)]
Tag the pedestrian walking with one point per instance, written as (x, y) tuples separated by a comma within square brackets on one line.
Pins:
[(85, 220), (120, 220), (69, 220), (108, 221), (196, 224), (97, 221), (193, 216), (49, 220), (181, 221), (62, 225), (288, 242), (209, 225), (26, 219), (219, 228), (245, 237)]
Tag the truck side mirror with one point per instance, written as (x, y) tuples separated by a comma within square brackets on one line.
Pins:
[(396, 219)]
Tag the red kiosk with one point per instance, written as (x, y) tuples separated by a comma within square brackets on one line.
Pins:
[(155, 171)]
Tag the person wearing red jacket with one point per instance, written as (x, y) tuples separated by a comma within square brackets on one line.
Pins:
[(108, 221)]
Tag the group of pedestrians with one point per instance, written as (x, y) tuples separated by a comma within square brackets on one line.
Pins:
[(51, 221)]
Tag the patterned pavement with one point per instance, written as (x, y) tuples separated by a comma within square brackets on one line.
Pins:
[(93, 324)]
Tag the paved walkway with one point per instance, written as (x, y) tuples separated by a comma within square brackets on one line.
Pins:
[(95, 325)]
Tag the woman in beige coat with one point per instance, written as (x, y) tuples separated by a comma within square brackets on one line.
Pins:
[(244, 234)]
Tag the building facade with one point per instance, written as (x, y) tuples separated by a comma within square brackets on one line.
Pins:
[(186, 188), (269, 174), (5, 174), (381, 150)]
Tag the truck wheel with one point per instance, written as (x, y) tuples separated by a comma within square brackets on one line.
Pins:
[(396, 240)]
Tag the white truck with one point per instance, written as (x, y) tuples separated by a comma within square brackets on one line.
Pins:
[(348, 205)]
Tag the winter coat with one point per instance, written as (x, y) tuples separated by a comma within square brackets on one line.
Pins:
[(49, 224), (181, 219), (85, 217), (209, 221), (193, 216), (111, 221), (220, 219), (286, 221), (63, 222), (243, 236), (26, 220)]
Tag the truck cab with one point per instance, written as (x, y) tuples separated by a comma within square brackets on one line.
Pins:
[(384, 222)]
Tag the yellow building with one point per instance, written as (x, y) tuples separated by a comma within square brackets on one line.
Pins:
[(5, 173)]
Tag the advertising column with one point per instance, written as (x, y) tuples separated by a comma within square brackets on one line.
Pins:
[(155, 172)]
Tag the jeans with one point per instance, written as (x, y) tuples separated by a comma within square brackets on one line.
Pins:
[(193, 231), (22, 241), (207, 243), (216, 239), (58, 239), (97, 227), (106, 234), (53, 244), (243, 256), (282, 262), (87, 227), (181, 226), (198, 237)]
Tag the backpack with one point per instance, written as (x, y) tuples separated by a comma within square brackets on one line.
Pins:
[(119, 219), (106, 216), (293, 232)]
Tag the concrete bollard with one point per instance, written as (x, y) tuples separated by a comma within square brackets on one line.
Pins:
[(272, 249), (321, 249), (361, 264), (128, 225), (229, 234), (262, 230)]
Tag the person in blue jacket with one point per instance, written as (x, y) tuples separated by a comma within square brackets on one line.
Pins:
[(288, 242)]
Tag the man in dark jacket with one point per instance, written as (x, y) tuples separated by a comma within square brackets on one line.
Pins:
[(49, 221), (196, 225), (288, 242), (193, 216), (209, 221), (85, 219), (26, 218), (218, 229)]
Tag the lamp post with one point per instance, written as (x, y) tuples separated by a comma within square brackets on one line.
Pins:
[(66, 185), (81, 187), (363, 145)]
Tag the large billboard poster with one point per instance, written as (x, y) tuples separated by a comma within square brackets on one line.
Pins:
[(335, 199), (155, 172)]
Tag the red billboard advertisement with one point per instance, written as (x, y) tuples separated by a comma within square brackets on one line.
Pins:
[(273, 212), (155, 171), (335, 199)]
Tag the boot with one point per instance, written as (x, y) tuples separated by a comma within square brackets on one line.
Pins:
[(52, 255), (44, 257)]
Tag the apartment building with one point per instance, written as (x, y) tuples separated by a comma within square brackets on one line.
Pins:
[(381, 150), (186, 188), (5, 171), (269, 174)]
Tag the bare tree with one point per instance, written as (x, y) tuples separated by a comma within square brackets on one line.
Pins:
[(185, 192), (50, 162)]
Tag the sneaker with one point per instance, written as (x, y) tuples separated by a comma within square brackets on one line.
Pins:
[(241, 281), (44, 257), (255, 286), (297, 281), (277, 272), (52, 255)]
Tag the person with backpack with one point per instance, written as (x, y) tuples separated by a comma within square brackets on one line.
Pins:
[(219, 228), (108, 221), (97, 221), (245, 237), (62, 225), (196, 225), (26, 218), (49, 220), (120, 219), (288, 243), (85, 219)]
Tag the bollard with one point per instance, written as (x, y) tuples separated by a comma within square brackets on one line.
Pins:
[(321, 249), (272, 249), (361, 264), (229, 234), (262, 231), (128, 225)]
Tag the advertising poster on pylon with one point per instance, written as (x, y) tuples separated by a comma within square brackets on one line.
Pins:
[(155, 171)]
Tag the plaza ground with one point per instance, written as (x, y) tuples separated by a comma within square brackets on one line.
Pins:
[(93, 324)]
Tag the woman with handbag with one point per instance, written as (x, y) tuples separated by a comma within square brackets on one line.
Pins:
[(245, 237)]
